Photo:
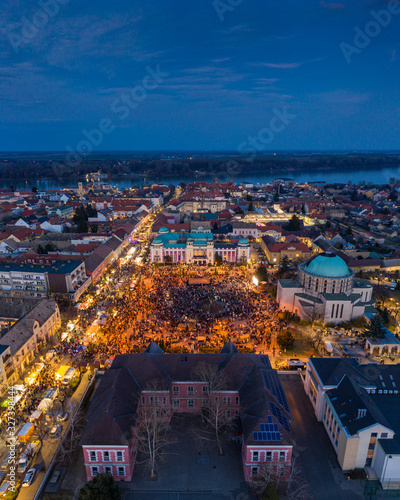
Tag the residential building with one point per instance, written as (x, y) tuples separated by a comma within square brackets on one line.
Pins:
[(294, 250), (64, 278), (26, 335)]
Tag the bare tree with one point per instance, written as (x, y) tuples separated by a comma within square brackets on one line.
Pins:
[(289, 481), (317, 340), (70, 440), (216, 411), (49, 420), (296, 485), (268, 477), (152, 425)]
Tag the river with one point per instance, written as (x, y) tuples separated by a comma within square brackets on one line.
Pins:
[(376, 176)]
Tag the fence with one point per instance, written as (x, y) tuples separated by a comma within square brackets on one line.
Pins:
[(373, 491)]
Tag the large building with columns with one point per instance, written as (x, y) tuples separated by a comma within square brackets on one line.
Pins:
[(196, 248), (326, 290)]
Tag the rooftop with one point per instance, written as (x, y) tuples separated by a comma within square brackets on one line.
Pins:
[(327, 265)]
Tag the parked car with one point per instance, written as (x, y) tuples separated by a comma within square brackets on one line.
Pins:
[(55, 431), (3, 488), (62, 417), (28, 479)]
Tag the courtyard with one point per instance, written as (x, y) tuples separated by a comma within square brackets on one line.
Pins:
[(190, 470)]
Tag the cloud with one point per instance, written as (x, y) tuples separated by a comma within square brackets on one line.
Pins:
[(279, 65), (341, 97)]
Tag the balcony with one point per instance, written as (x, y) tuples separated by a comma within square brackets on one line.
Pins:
[(10, 371)]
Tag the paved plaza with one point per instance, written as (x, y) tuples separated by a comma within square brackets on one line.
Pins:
[(190, 470)]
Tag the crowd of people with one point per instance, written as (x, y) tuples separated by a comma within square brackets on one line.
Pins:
[(175, 305), (27, 398)]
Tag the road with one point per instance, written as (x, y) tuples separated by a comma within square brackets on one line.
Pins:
[(313, 448), (48, 449)]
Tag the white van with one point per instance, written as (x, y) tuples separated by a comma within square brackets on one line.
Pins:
[(68, 376), (328, 347)]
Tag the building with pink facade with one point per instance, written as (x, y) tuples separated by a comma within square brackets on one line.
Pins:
[(251, 395), (197, 248)]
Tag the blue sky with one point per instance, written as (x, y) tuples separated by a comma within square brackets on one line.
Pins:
[(222, 78)]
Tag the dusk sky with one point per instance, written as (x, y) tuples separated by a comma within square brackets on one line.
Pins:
[(223, 75)]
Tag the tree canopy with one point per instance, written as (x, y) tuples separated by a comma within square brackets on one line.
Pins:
[(101, 487), (375, 328), (285, 340), (294, 223)]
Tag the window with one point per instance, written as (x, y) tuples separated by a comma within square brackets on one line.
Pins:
[(254, 471), (175, 403), (156, 400), (190, 403), (151, 400), (205, 390), (237, 400), (93, 456), (228, 413), (371, 446), (121, 471), (176, 390), (282, 456), (143, 400), (254, 457), (374, 434), (164, 400), (224, 399), (190, 390), (268, 456), (216, 400), (383, 435), (108, 470), (119, 456), (106, 456), (95, 471), (236, 413)]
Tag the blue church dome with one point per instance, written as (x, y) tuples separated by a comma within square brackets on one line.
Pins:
[(163, 230), (243, 242), (328, 265)]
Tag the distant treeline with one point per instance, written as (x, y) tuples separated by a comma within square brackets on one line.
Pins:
[(15, 168)]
